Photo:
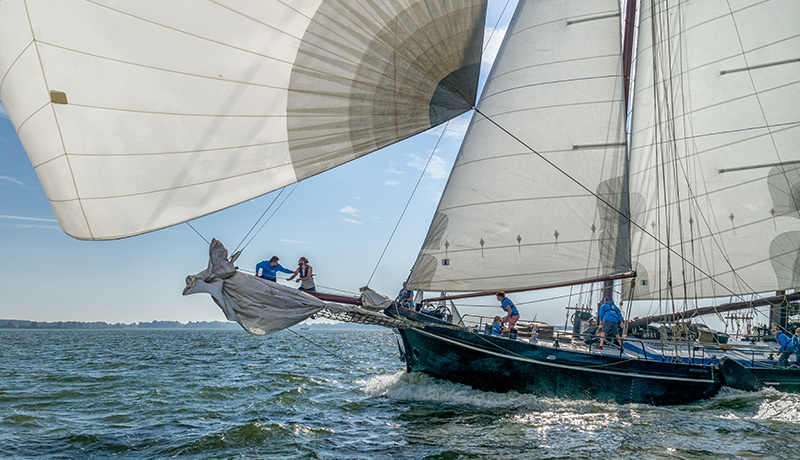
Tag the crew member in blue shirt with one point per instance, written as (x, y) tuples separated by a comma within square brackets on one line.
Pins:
[(270, 268), (610, 321), (512, 314), (497, 327), (786, 347), (406, 297)]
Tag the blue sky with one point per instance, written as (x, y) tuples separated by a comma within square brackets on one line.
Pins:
[(341, 220)]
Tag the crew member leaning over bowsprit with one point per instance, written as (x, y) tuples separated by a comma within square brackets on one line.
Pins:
[(610, 321), (269, 269), (786, 347)]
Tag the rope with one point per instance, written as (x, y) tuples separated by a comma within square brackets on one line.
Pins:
[(408, 203), (320, 346)]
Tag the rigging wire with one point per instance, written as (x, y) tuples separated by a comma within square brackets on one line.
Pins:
[(259, 219), (268, 218), (198, 233), (494, 29), (425, 169)]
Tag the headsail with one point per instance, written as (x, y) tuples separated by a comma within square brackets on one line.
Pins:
[(138, 115), (715, 164), (510, 220)]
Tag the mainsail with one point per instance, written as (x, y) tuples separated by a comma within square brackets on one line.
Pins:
[(509, 218), (138, 115), (714, 149)]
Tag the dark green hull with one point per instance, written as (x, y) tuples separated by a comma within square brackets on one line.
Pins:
[(496, 364)]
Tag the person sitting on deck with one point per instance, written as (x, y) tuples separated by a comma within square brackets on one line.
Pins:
[(786, 346), (590, 334), (406, 297), (610, 321), (270, 268), (497, 327), (512, 314)]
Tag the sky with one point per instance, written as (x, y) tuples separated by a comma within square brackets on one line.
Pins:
[(341, 220)]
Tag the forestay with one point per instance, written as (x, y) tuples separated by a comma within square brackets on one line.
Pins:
[(714, 164), (141, 114), (508, 219)]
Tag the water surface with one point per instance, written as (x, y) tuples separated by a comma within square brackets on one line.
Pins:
[(187, 394)]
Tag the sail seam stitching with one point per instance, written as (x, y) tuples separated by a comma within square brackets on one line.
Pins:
[(35, 44), (2, 82), (196, 184)]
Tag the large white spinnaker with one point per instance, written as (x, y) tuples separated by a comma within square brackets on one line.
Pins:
[(508, 219), (141, 114), (715, 163)]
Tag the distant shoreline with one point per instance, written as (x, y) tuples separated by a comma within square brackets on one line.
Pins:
[(205, 325)]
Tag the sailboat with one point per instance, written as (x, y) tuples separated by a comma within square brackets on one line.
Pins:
[(698, 199)]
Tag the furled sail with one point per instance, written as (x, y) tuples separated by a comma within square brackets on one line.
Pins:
[(715, 164), (264, 307), (508, 219), (141, 114)]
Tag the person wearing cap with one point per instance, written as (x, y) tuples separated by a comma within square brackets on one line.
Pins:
[(591, 332), (268, 269)]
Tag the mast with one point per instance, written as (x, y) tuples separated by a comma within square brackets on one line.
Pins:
[(627, 49), (627, 58)]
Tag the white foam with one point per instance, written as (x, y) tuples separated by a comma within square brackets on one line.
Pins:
[(417, 386)]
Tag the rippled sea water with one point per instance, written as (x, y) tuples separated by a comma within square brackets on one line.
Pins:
[(185, 394)]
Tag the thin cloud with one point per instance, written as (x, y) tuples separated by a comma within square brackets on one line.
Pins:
[(349, 210), (294, 241), (34, 219), (437, 168), (352, 221), (392, 183), (455, 128), (31, 226), (11, 179), (490, 49), (393, 170)]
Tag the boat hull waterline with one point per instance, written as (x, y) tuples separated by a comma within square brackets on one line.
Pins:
[(497, 364)]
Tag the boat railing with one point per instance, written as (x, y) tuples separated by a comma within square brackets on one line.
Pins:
[(470, 320), (592, 337), (482, 324)]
